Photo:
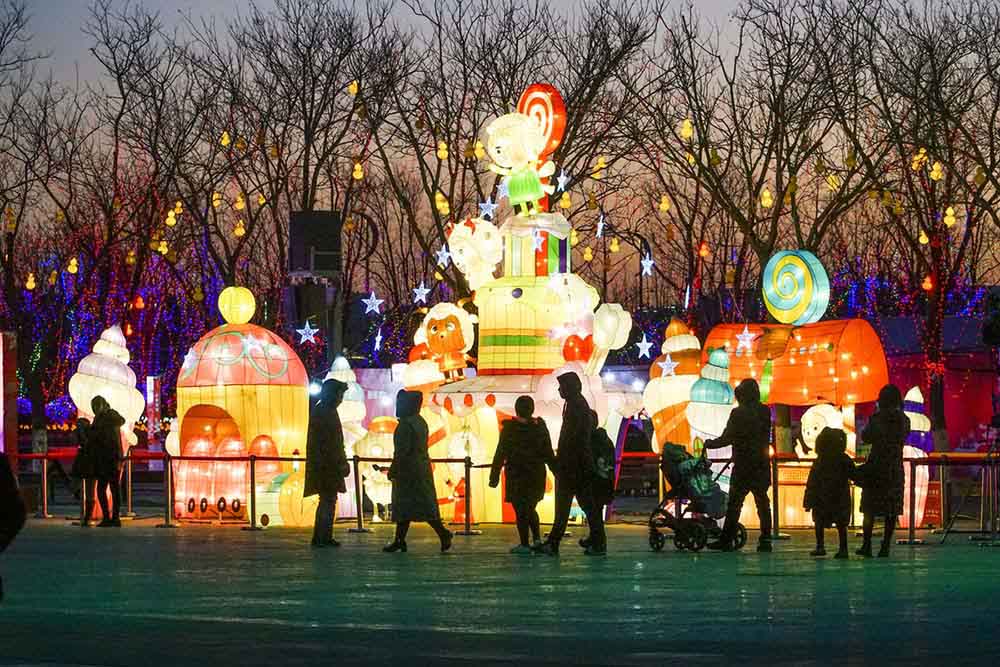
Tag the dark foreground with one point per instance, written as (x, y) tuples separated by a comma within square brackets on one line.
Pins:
[(221, 596)]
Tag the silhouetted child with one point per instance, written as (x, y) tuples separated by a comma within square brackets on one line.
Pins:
[(828, 490)]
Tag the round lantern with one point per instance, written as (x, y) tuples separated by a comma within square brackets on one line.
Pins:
[(237, 305), (231, 479), (796, 287), (296, 510)]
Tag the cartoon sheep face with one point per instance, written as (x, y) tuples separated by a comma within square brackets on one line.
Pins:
[(448, 333)]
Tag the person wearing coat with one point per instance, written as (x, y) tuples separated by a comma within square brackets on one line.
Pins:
[(106, 444), (881, 476), (13, 512), (523, 451), (748, 432), (574, 470), (83, 470), (326, 460), (414, 497), (828, 489)]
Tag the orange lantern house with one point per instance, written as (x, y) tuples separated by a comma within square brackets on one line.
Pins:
[(239, 384)]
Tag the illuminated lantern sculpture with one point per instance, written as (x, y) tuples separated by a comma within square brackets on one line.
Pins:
[(231, 479), (242, 381), (193, 480), (796, 287), (448, 333), (264, 471), (814, 420), (668, 392), (105, 372), (920, 426), (711, 401), (296, 510), (377, 444), (352, 413), (476, 248)]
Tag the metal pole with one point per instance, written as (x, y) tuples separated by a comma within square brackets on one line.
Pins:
[(129, 487), (253, 495), (167, 493), (358, 499), (43, 512), (468, 500)]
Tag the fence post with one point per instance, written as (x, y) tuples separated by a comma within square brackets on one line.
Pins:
[(358, 499), (776, 533), (168, 492), (253, 495), (911, 533), (129, 484), (468, 500), (43, 511)]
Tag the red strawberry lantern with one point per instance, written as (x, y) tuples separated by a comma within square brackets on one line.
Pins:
[(578, 349)]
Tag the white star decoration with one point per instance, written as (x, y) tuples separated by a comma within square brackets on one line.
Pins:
[(537, 240), (372, 304), (190, 359), (600, 226), (647, 265), (420, 293), (443, 257), (307, 334), (378, 339), (644, 346), (745, 340), (503, 190), (562, 180), (487, 208), (668, 365)]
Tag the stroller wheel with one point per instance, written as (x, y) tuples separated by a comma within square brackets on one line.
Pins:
[(699, 537), (657, 540), (682, 540), (740, 539)]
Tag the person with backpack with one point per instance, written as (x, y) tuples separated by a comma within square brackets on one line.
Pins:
[(523, 451), (13, 512), (574, 470)]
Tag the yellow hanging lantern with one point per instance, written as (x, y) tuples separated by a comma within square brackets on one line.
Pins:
[(613, 246), (886, 198), (353, 88), (793, 184), (171, 219), (923, 238), (766, 200), (664, 203), (241, 144), (898, 207), (29, 284), (240, 230), (470, 151), (237, 305), (359, 172), (480, 150), (949, 217), (937, 171), (73, 267), (588, 254), (820, 167), (163, 248), (224, 140), (852, 159), (438, 276), (261, 200), (691, 159), (216, 199), (592, 201), (833, 182), (60, 216), (441, 203), (980, 177), (598, 171), (198, 295), (275, 152), (178, 207), (442, 150), (687, 129), (130, 258), (873, 194), (349, 224), (918, 160), (574, 238), (564, 201), (714, 158), (240, 203)]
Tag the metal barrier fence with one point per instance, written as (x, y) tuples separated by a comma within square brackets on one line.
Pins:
[(989, 464)]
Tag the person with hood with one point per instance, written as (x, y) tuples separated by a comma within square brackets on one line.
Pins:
[(748, 432), (83, 470), (523, 451), (13, 512), (828, 489), (106, 445), (881, 476), (414, 497), (574, 470), (326, 460)]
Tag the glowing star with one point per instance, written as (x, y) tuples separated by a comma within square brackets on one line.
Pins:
[(644, 345), (372, 304), (378, 339), (537, 240), (190, 360), (647, 265), (562, 180), (307, 334), (487, 208), (745, 340), (600, 226), (503, 190), (443, 257), (420, 293), (668, 365)]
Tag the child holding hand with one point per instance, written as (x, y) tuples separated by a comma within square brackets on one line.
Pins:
[(828, 489)]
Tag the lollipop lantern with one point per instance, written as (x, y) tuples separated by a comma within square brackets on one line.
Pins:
[(796, 287)]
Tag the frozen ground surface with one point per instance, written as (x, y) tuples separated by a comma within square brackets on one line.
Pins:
[(211, 597)]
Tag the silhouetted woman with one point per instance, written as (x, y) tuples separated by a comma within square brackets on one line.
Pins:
[(326, 460), (83, 470), (523, 450), (105, 438), (413, 495), (881, 476)]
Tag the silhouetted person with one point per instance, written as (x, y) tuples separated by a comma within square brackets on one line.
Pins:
[(882, 474), (326, 460), (83, 470), (12, 510), (414, 497), (523, 450), (574, 469), (828, 489), (105, 439), (748, 432)]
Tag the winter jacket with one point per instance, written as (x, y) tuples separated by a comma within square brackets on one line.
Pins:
[(326, 459), (524, 450), (828, 489), (414, 497), (748, 432), (881, 476), (83, 464), (106, 444)]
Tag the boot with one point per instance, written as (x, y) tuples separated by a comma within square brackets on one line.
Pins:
[(865, 550), (446, 540), (764, 547), (394, 546), (549, 549)]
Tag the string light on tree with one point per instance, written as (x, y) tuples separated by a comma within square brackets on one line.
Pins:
[(224, 140), (600, 226), (937, 171), (927, 285)]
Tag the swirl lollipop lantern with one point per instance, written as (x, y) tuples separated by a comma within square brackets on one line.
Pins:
[(796, 287), (543, 104)]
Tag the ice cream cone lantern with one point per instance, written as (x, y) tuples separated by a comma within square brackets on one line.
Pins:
[(668, 392)]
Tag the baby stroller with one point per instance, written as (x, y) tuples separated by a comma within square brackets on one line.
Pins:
[(691, 480)]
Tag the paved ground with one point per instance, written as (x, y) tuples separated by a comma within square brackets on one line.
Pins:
[(218, 596)]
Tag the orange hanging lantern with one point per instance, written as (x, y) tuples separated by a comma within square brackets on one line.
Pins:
[(928, 284)]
